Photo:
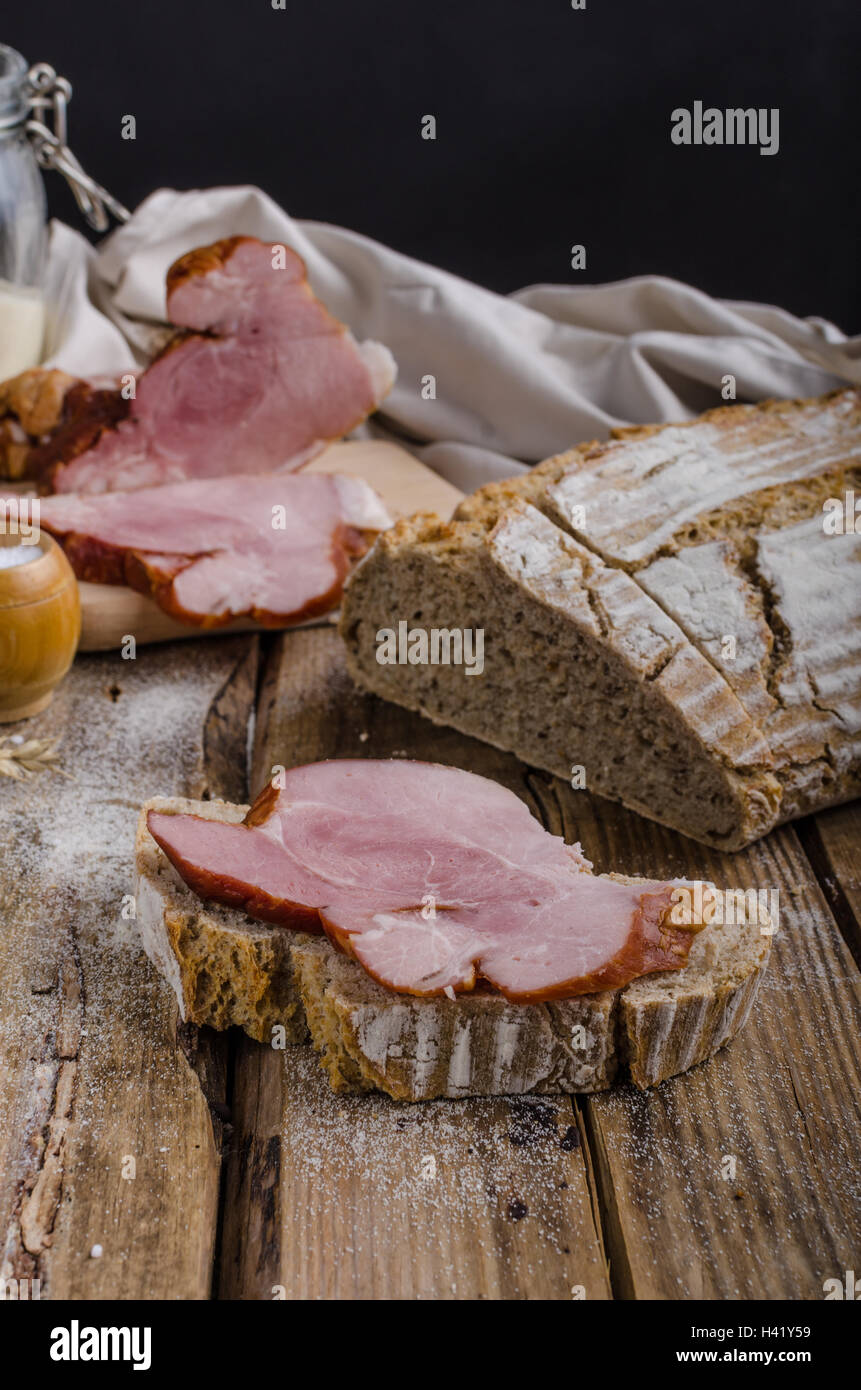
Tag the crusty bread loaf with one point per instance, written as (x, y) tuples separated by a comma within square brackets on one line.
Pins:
[(581, 670), (227, 969), (665, 610)]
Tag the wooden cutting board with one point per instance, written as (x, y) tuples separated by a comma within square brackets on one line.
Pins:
[(110, 612)]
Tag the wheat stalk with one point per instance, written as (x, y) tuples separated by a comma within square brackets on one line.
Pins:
[(24, 760)]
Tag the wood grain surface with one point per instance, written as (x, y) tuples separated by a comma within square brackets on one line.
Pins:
[(254, 1181), (832, 843), (108, 1142)]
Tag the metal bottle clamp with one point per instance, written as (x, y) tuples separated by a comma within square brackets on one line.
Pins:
[(48, 97)]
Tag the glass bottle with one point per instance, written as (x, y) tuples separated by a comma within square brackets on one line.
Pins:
[(23, 225)]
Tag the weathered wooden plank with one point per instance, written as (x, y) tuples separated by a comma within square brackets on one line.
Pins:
[(459, 1199), (250, 1251), (106, 1136), (832, 843), (783, 1101), (359, 1197)]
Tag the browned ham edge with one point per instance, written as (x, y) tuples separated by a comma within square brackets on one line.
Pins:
[(207, 551), (360, 848)]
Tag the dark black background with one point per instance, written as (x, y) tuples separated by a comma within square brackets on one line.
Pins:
[(553, 128)]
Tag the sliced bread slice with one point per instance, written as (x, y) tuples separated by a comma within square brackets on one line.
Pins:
[(223, 967), (227, 969)]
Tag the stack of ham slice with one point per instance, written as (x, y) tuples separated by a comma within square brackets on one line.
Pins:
[(196, 504), (276, 548), (432, 878), (260, 378)]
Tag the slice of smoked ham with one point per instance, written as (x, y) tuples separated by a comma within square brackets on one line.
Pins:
[(261, 378), (432, 878), (276, 548)]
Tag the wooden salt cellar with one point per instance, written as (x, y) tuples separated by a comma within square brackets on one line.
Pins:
[(40, 623)]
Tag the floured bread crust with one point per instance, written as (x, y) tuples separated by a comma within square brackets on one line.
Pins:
[(705, 541)]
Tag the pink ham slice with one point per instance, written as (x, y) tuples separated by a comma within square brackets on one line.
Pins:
[(432, 878), (262, 378), (276, 548)]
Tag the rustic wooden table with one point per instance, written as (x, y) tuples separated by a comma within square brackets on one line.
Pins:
[(208, 1166)]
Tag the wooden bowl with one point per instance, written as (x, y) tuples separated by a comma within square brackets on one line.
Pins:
[(40, 623)]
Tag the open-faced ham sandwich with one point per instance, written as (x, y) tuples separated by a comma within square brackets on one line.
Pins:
[(432, 936)]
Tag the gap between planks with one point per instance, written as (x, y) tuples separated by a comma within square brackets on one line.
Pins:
[(832, 842)]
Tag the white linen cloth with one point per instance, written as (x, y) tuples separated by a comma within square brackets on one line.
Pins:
[(517, 377)]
